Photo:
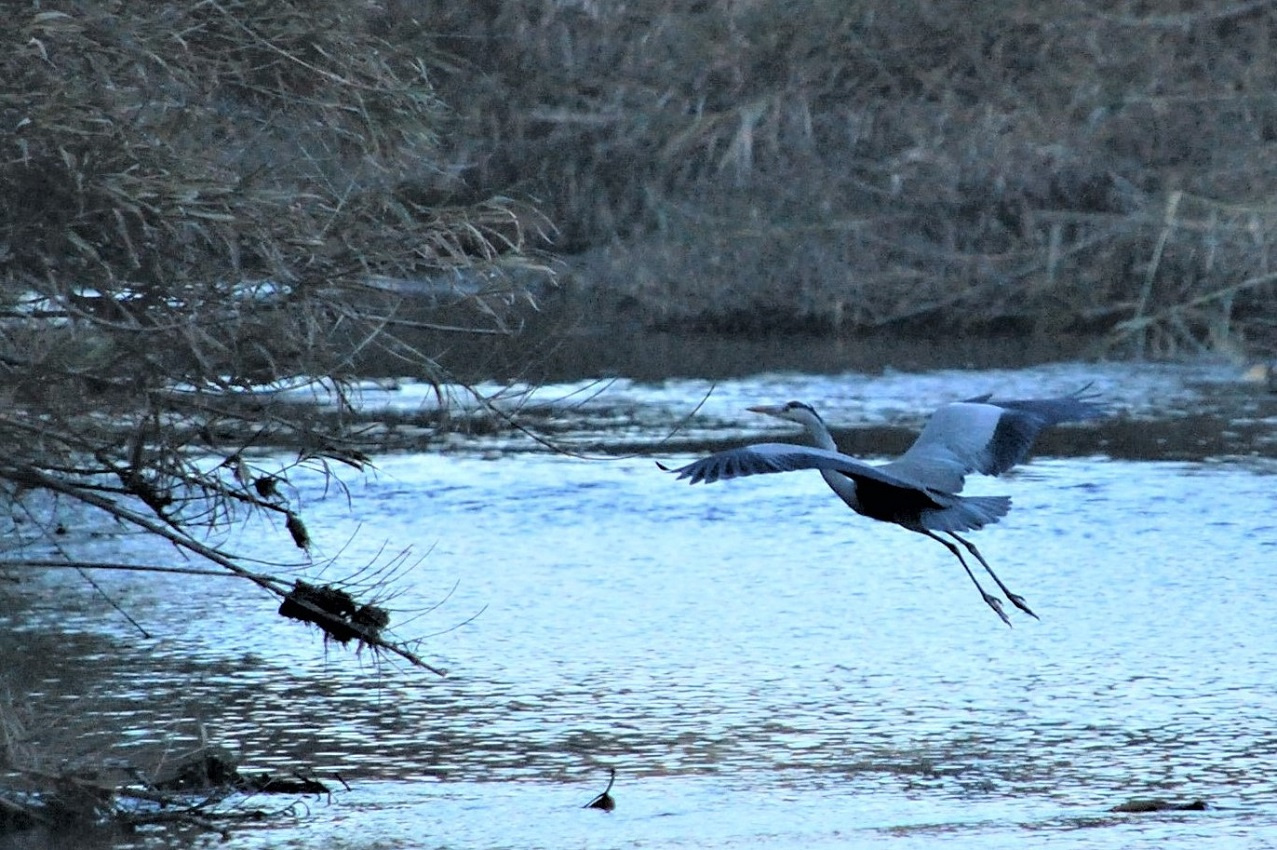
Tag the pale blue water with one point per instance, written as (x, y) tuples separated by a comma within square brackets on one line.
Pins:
[(762, 668)]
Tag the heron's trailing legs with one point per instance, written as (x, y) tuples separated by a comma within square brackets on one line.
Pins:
[(989, 599), (1016, 599), (992, 601)]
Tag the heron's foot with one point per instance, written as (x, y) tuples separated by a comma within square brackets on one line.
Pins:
[(996, 604), (1018, 601)]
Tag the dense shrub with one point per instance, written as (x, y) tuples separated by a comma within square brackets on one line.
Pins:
[(240, 174)]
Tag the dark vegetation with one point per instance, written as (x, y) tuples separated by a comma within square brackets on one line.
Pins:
[(840, 167)]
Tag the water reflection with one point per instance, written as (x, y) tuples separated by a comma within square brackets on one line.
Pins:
[(762, 668)]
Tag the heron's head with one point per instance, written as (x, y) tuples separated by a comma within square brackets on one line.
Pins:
[(794, 411)]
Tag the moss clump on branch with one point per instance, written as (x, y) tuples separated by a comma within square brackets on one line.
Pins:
[(338, 614)]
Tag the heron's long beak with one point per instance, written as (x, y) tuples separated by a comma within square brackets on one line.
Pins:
[(767, 409)]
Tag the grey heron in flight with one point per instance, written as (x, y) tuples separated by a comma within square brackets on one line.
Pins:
[(918, 490)]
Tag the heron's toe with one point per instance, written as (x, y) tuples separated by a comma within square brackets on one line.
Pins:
[(1018, 601), (996, 604)]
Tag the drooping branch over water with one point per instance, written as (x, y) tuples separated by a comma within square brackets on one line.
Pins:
[(202, 204)]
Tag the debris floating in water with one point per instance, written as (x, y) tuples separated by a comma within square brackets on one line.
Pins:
[(604, 801)]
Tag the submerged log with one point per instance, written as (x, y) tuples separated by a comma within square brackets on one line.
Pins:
[(1141, 806)]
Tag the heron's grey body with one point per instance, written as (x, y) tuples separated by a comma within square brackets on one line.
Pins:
[(920, 489)]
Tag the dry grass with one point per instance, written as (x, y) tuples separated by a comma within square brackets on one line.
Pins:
[(837, 166)]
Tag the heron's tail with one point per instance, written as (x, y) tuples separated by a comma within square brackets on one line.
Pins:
[(967, 513)]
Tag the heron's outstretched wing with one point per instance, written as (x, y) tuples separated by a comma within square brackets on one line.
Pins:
[(983, 435), (764, 458), (876, 494)]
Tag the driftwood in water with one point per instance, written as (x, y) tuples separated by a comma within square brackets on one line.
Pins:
[(192, 794), (1140, 806)]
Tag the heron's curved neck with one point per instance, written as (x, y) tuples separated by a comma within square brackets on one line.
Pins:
[(820, 434)]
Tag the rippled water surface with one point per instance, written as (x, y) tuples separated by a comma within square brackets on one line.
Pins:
[(762, 667)]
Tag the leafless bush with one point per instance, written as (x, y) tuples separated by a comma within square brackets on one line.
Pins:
[(202, 199)]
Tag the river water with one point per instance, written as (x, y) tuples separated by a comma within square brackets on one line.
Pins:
[(762, 668)]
